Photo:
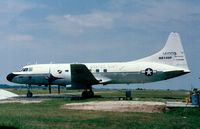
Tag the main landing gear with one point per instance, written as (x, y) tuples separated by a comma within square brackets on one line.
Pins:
[(87, 94)]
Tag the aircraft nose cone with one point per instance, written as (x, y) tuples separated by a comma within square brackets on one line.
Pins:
[(10, 77)]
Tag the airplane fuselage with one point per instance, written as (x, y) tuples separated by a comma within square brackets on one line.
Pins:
[(105, 73)]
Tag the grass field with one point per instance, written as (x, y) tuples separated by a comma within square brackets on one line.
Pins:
[(50, 115)]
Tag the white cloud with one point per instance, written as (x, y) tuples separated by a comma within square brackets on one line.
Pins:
[(77, 24), (19, 38), (10, 10), (153, 15), (14, 7), (157, 15)]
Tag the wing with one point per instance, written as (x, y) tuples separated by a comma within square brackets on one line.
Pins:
[(80, 74)]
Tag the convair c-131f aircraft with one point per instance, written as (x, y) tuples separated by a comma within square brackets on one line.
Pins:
[(168, 63)]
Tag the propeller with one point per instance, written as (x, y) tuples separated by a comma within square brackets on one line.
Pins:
[(50, 78)]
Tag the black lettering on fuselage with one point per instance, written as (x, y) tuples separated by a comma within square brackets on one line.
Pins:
[(169, 53), (164, 57)]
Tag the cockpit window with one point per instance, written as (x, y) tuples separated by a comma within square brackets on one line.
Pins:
[(27, 69)]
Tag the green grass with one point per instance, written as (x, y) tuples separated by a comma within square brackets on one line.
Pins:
[(150, 95), (37, 90), (50, 115)]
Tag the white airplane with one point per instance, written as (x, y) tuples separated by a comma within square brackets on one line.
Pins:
[(168, 63)]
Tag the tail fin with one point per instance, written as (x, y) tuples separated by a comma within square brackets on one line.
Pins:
[(172, 53)]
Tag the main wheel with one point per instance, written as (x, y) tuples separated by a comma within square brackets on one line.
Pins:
[(29, 94), (91, 94), (84, 94), (87, 94)]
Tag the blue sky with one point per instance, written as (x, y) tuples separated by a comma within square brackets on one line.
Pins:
[(65, 31)]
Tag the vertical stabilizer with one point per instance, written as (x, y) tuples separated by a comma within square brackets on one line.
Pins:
[(172, 53)]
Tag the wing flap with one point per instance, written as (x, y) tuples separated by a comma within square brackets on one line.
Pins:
[(102, 79)]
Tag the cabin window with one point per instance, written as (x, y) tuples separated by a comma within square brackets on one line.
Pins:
[(66, 70), (105, 70), (97, 70), (30, 69)]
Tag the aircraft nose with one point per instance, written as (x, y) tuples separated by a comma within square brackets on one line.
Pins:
[(10, 77)]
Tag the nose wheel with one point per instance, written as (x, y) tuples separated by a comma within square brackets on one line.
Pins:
[(29, 93)]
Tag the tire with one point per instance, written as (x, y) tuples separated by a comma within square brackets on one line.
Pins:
[(29, 95), (84, 94), (87, 94), (91, 94)]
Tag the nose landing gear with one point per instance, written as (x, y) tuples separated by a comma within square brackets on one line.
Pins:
[(29, 93)]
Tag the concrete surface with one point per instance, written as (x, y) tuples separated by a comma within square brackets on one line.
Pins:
[(4, 94), (118, 106)]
